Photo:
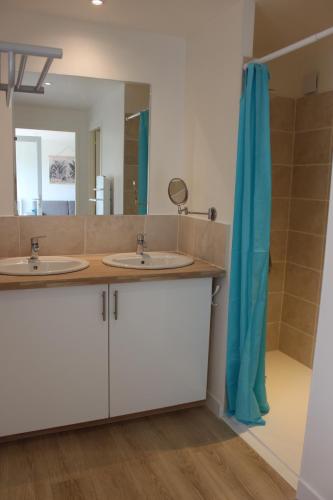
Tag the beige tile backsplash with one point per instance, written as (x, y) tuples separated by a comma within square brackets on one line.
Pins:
[(103, 234), (162, 232), (9, 237), (63, 235), (113, 234), (204, 239)]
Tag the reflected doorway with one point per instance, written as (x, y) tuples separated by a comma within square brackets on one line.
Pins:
[(45, 172)]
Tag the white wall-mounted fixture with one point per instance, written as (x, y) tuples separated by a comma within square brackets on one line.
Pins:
[(97, 2), (14, 84)]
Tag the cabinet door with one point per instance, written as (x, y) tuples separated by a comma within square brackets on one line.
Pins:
[(159, 338), (53, 358)]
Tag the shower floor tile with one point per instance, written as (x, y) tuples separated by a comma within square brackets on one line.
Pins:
[(288, 387)]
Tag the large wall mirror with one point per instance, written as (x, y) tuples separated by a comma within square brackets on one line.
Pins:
[(82, 147)]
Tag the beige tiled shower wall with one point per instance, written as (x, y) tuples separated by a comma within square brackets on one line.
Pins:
[(282, 140), (306, 226), (115, 233)]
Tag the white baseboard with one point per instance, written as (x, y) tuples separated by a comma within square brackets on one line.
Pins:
[(214, 405), (305, 492)]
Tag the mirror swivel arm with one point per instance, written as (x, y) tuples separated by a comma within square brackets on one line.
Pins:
[(212, 212), (183, 210)]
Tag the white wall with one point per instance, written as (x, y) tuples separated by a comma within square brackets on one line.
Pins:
[(213, 87), (6, 159), (316, 481), (70, 120), (28, 170), (108, 115), (287, 72), (104, 51)]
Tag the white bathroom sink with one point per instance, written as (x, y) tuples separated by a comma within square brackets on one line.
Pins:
[(150, 260), (21, 266)]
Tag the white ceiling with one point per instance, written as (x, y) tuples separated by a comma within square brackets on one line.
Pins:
[(76, 92), (278, 22), (282, 22), (72, 92), (173, 17)]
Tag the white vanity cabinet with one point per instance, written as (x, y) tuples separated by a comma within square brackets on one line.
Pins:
[(68, 355), (53, 358), (159, 340)]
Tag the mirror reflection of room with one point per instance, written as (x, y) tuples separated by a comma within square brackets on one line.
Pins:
[(82, 148)]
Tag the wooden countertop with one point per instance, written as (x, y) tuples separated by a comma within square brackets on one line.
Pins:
[(99, 273)]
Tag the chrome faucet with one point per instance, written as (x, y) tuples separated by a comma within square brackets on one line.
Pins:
[(140, 241), (35, 248)]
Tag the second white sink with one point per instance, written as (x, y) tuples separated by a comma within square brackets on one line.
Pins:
[(149, 260), (22, 266)]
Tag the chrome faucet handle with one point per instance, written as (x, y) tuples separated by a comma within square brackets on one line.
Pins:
[(140, 238), (141, 244), (35, 247), (34, 239)]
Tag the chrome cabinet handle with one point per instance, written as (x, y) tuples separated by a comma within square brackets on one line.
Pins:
[(115, 311), (104, 306)]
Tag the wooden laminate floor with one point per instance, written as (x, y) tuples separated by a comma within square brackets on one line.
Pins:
[(188, 455)]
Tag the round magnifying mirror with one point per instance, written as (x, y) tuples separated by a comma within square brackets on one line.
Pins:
[(178, 192)]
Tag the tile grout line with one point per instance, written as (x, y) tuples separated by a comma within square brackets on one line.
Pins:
[(298, 297), (317, 235), (85, 235), (304, 267), (306, 130), (19, 235), (298, 330), (178, 232), (300, 198), (296, 264)]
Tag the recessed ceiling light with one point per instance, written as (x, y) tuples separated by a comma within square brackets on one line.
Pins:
[(47, 83), (97, 2)]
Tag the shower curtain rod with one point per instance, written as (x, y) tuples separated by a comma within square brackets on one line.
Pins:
[(291, 48), (130, 117)]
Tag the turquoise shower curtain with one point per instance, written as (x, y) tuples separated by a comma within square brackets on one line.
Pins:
[(143, 162), (246, 392)]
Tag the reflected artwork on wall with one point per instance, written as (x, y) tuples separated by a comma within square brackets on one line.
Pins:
[(62, 169)]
